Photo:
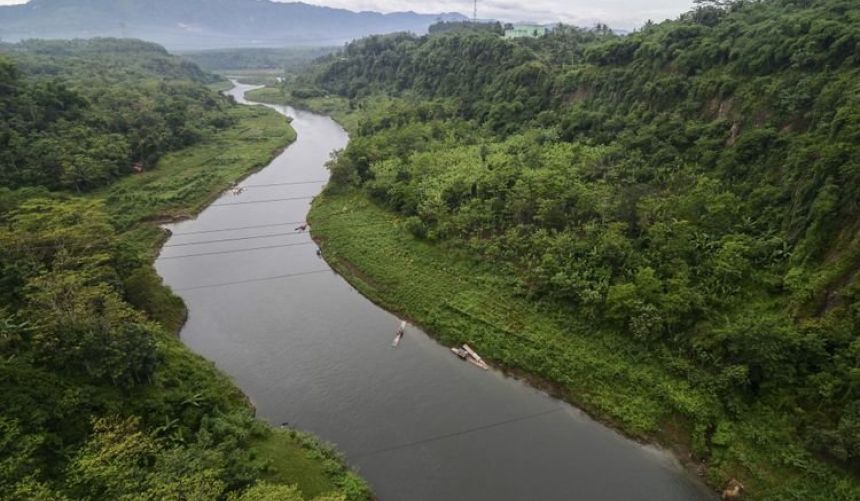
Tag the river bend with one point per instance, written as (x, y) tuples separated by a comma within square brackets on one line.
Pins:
[(309, 350)]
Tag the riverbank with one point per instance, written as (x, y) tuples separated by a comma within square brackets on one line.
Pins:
[(181, 186), (334, 106), (458, 300)]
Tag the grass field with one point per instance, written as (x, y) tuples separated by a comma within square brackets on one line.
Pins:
[(222, 86), (298, 458), (260, 76), (184, 182), (458, 300), (268, 95)]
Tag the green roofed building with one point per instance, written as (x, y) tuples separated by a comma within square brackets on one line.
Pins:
[(526, 31)]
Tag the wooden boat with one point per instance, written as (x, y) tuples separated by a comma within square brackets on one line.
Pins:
[(460, 352), (468, 354), (477, 358), (399, 335), (478, 363)]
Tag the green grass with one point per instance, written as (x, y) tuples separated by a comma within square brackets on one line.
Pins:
[(186, 181), (268, 95), (222, 86), (292, 463), (295, 458), (457, 300)]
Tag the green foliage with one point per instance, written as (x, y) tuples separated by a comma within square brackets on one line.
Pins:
[(78, 115), (465, 26), (690, 189), (283, 59), (315, 468), (268, 95), (100, 400), (106, 60)]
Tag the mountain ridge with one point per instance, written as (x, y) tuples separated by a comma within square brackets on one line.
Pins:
[(202, 24)]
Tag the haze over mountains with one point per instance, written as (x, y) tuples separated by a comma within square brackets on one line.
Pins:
[(200, 24)]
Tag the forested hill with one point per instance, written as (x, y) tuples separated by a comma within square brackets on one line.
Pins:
[(692, 188), (98, 397), (100, 59), (287, 59), (204, 24), (77, 115)]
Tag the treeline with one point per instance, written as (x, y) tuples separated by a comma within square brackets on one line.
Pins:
[(77, 115), (100, 400), (103, 60), (285, 59), (694, 185), (465, 26)]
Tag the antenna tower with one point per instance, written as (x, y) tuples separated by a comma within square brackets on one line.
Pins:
[(475, 13)]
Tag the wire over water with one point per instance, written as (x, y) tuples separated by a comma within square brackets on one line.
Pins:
[(455, 434), (235, 251), (250, 202), (252, 280), (237, 228)]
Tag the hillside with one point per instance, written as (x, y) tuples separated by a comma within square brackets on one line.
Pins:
[(281, 60), (674, 214), (203, 24), (99, 140)]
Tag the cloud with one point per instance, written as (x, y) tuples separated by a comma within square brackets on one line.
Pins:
[(616, 13)]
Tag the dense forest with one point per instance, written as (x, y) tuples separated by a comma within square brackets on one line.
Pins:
[(77, 115), (99, 398), (290, 59), (692, 188)]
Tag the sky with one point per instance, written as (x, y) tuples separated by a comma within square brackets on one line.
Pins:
[(625, 14)]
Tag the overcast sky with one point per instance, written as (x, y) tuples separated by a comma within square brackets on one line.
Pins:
[(616, 13)]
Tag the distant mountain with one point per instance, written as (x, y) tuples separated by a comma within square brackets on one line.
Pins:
[(200, 24)]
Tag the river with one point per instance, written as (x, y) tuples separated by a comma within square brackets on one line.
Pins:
[(415, 421)]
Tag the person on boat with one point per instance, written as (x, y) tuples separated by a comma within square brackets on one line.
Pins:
[(302, 227)]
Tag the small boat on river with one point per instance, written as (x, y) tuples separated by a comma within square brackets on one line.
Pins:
[(468, 354), (399, 335)]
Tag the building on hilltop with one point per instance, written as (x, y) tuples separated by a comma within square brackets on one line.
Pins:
[(525, 31)]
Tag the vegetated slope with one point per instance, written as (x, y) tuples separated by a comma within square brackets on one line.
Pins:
[(77, 115), (694, 188), (202, 24), (286, 59), (100, 400), (103, 60)]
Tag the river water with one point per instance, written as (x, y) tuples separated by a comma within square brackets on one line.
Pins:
[(415, 421)]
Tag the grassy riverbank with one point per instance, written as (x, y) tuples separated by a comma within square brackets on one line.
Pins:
[(460, 300), (335, 106), (182, 185)]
